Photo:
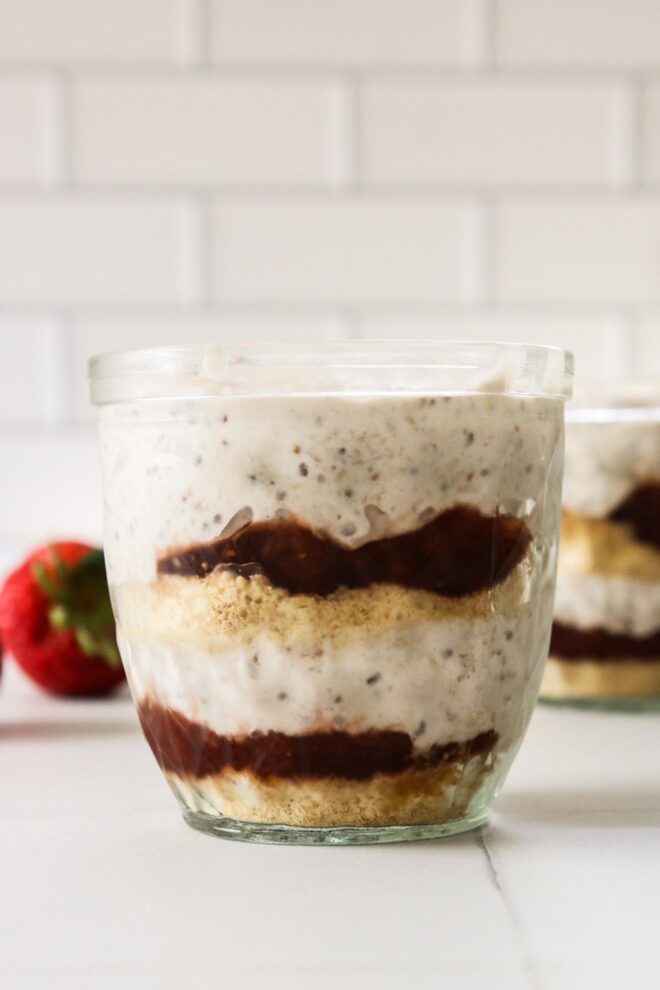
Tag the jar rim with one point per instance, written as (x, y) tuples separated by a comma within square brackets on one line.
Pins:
[(343, 366)]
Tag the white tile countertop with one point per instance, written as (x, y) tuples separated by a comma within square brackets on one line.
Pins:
[(104, 886)]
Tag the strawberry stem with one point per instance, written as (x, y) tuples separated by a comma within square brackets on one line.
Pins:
[(80, 602)]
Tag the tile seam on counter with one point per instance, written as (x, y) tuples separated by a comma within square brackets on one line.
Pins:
[(529, 970)]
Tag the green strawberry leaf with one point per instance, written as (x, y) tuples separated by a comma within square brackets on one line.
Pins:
[(80, 601)]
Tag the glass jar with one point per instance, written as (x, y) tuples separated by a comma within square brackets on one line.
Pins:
[(605, 645), (332, 569)]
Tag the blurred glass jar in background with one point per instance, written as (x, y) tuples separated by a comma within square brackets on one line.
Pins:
[(606, 636)]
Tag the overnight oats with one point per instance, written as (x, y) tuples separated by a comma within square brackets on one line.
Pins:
[(332, 570), (606, 634)]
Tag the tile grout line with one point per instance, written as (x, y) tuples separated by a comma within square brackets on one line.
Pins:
[(191, 34), (416, 193), (343, 138), (59, 384), (529, 970), (195, 247), (479, 29), (454, 72), (478, 253), (56, 131), (627, 137)]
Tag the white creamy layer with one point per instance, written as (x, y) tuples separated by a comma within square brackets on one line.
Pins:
[(605, 461), (620, 605), (438, 681), (353, 467)]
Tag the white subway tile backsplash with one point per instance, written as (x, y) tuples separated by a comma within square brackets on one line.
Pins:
[(96, 335), (618, 33), (193, 170), (25, 370), (69, 250), (87, 31), (597, 341), (491, 132), (349, 251), (51, 486), (22, 106), (202, 130), (341, 32), (564, 251)]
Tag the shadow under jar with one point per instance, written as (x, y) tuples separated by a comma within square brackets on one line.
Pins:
[(605, 647), (332, 570)]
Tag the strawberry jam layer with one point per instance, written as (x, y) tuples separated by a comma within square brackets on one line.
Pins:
[(459, 552), (641, 511), (570, 643), (193, 750)]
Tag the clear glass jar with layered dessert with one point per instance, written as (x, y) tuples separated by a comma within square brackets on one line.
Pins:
[(332, 569), (605, 646)]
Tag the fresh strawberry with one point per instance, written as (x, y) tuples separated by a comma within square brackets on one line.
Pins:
[(56, 620)]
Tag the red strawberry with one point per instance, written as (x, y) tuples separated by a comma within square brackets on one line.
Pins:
[(56, 620)]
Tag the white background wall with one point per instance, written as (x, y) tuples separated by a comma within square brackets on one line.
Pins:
[(204, 169)]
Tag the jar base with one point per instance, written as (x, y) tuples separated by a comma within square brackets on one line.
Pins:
[(238, 831), (624, 703)]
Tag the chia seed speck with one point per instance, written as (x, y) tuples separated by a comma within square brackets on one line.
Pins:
[(508, 635), (373, 679), (447, 653), (303, 469)]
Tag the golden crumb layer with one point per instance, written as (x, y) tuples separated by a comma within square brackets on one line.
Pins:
[(600, 546), (209, 612), (623, 678), (414, 797)]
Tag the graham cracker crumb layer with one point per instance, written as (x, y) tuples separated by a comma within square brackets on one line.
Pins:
[(431, 796), (224, 607), (625, 678), (600, 546)]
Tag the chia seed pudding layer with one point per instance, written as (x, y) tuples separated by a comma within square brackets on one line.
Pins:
[(322, 576)]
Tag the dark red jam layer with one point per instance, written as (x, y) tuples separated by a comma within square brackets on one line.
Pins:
[(570, 643), (641, 511), (193, 750), (459, 552)]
